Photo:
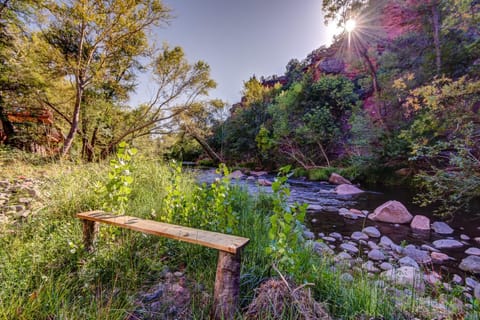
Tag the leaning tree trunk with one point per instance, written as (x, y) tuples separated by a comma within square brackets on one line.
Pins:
[(206, 147), (67, 144)]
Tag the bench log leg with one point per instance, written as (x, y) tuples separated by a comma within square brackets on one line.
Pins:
[(90, 229), (227, 285)]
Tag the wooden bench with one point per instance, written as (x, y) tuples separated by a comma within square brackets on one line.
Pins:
[(227, 280)]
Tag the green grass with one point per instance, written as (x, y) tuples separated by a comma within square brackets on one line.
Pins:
[(46, 274)]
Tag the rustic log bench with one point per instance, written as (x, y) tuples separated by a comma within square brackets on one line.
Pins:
[(227, 280)]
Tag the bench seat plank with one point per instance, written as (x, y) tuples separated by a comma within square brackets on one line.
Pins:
[(215, 240)]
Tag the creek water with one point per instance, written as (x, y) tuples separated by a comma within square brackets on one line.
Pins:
[(327, 220)]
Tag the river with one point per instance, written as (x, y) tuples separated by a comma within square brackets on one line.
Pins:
[(466, 224)]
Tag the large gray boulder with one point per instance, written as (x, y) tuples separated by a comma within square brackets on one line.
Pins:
[(335, 178), (391, 212), (347, 189), (471, 264)]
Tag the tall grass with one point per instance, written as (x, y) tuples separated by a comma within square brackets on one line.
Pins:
[(46, 274)]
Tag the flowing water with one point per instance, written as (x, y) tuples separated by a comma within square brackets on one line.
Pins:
[(327, 220)]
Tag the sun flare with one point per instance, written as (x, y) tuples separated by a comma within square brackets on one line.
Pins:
[(350, 25)]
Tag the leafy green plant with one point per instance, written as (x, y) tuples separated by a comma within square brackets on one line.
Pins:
[(117, 189), (286, 225)]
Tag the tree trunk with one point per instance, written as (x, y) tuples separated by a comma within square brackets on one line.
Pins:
[(436, 35), (67, 144), (206, 147)]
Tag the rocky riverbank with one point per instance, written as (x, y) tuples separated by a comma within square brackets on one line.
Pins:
[(19, 198)]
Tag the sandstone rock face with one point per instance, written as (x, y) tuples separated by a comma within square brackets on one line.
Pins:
[(391, 212), (420, 223), (471, 264), (332, 65), (441, 228), (347, 189), (338, 179)]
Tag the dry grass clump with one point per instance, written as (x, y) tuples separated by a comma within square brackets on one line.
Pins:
[(280, 299)]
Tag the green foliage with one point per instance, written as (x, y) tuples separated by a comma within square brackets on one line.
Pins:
[(209, 207), (444, 141), (117, 189), (286, 226), (320, 174)]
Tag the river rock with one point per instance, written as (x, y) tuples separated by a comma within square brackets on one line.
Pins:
[(386, 242), (477, 239), (307, 234), (329, 239), (314, 207), (470, 264), (347, 277), (258, 173), (349, 214), (335, 178), (349, 247), (391, 212), (447, 244), (429, 248), (369, 266), (407, 261), (476, 291), (357, 235), (473, 251), (322, 248), (336, 235), (420, 223), (464, 237), (432, 278), (376, 255), (420, 256), (342, 256), (371, 232), (372, 245), (405, 275), (441, 228), (439, 257), (386, 266), (471, 283), (347, 189), (237, 174), (264, 182), (457, 279)]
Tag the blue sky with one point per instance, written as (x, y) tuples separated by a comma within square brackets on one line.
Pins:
[(239, 38)]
